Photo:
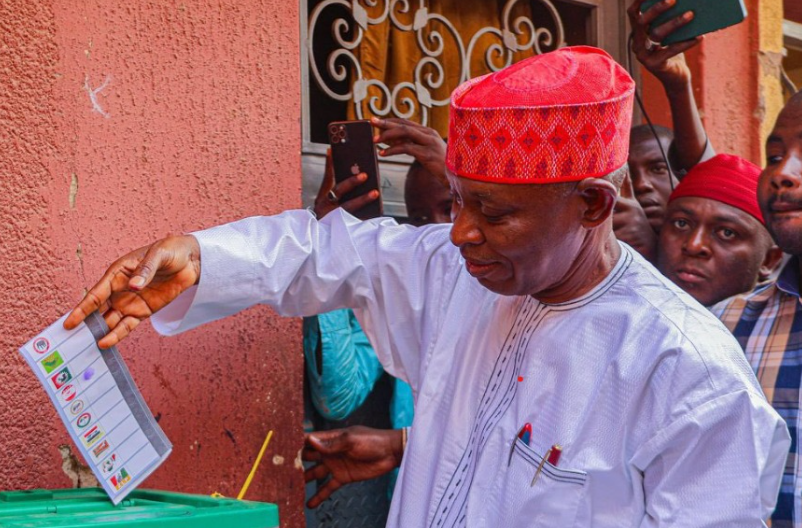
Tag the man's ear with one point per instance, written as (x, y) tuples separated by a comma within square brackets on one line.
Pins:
[(774, 256), (599, 198)]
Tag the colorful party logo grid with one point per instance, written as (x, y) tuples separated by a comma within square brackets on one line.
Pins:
[(99, 405)]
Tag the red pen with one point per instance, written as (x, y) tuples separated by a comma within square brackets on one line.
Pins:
[(554, 455)]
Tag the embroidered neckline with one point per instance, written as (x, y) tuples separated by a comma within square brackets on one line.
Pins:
[(624, 260)]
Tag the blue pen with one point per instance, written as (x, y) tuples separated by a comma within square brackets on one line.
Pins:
[(525, 434)]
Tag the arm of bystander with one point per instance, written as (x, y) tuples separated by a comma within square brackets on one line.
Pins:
[(667, 63)]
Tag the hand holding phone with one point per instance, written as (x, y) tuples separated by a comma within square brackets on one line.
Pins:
[(667, 63), (329, 193), (708, 16), (352, 155)]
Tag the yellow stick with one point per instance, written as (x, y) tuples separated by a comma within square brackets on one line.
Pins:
[(244, 489)]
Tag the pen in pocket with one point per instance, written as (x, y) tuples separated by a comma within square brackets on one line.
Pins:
[(525, 434), (552, 456)]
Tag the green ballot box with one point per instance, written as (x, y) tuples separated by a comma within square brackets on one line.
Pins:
[(75, 508)]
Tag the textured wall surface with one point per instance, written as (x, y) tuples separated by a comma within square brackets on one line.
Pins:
[(729, 81), (121, 122)]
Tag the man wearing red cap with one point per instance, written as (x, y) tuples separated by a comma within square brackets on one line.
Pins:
[(713, 243), (559, 379)]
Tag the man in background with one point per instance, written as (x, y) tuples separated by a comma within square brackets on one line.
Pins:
[(768, 322), (713, 243)]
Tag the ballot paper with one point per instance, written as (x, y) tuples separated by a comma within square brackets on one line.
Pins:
[(100, 405)]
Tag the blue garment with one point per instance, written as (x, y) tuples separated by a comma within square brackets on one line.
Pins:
[(349, 370)]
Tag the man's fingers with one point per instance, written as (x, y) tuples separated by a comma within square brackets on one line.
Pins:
[(388, 123), (310, 454), (346, 186), (662, 31), (119, 332), (324, 492), (328, 442), (327, 183), (410, 149), (94, 300), (112, 316), (359, 202), (147, 268), (678, 48), (648, 16), (405, 133), (634, 11), (317, 472)]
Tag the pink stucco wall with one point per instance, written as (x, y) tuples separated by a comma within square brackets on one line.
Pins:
[(197, 123)]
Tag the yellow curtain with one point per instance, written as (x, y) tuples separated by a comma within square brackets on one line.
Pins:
[(390, 55)]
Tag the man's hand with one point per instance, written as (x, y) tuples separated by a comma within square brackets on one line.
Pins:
[(139, 284), (350, 455), (422, 143), (667, 63), (631, 225), (329, 194)]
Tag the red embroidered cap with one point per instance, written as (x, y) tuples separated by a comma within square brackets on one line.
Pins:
[(725, 178), (557, 117)]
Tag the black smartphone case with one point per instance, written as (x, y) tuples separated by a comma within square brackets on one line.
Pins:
[(352, 152), (709, 16)]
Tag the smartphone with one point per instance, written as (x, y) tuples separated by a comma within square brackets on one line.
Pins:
[(709, 16), (352, 152)]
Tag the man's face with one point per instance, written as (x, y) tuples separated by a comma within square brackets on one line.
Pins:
[(710, 249), (651, 179), (516, 239), (779, 190), (428, 201)]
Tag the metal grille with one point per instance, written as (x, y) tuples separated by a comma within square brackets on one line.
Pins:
[(336, 86), (402, 99)]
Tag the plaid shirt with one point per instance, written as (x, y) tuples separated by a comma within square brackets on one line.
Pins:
[(768, 325)]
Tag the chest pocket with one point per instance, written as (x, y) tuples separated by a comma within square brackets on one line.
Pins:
[(553, 500)]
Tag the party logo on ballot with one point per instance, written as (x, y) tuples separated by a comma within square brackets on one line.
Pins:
[(41, 345), (101, 448), (90, 437), (108, 465), (76, 407), (52, 362), (61, 377), (120, 479), (68, 393), (83, 420)]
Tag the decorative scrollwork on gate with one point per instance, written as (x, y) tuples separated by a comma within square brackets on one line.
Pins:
[(432, 31)]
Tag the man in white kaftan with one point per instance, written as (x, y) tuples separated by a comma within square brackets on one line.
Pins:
[(525, 311), (658, 414)]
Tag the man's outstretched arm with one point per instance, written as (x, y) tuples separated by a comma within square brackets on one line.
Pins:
[(295, 264)]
